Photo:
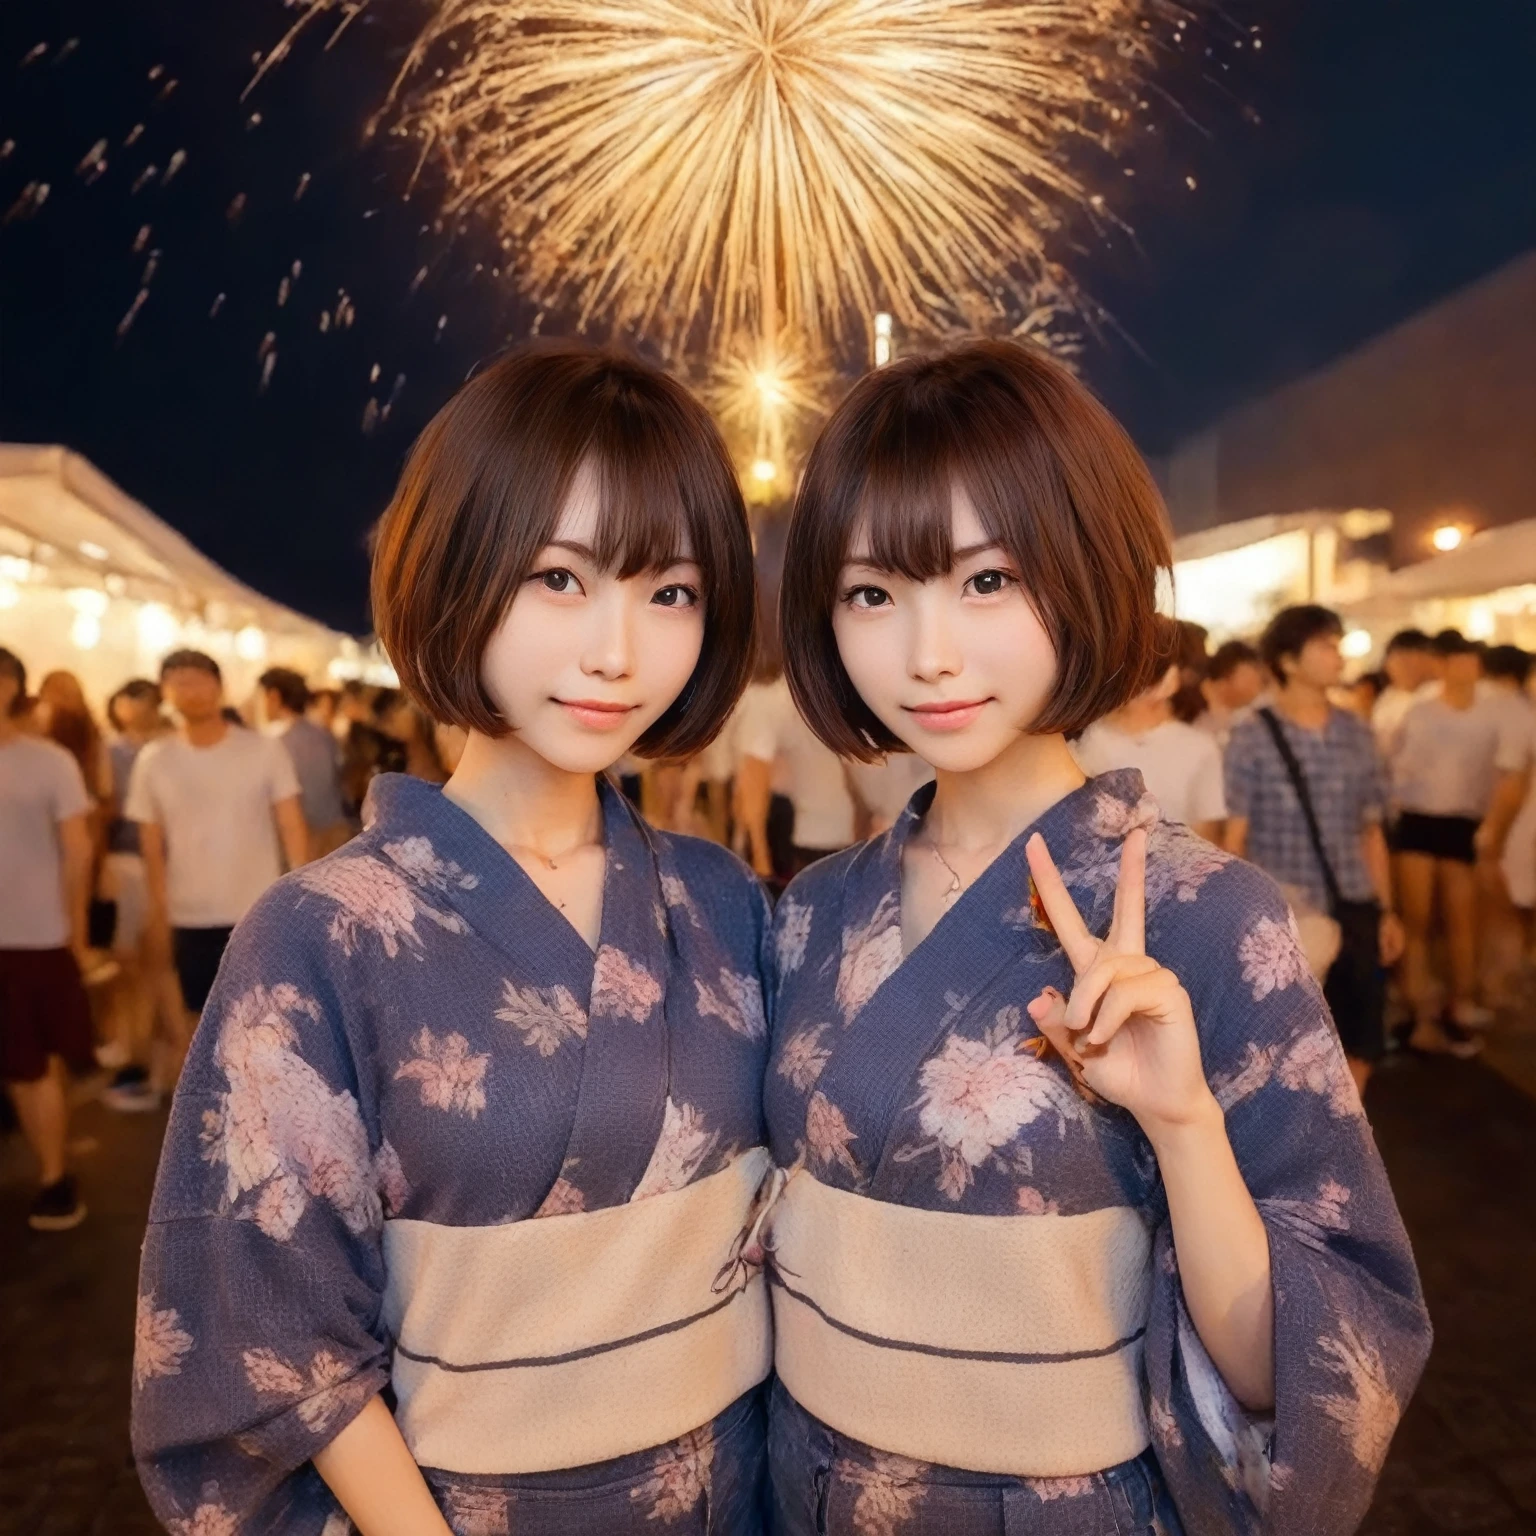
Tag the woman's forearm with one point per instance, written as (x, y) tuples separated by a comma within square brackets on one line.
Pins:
[(1223, 1252), (378, 1483)]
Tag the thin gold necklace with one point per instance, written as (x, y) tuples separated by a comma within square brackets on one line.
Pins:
[(956, 884)]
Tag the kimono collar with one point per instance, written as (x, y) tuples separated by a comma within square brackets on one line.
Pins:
[(440, 845)]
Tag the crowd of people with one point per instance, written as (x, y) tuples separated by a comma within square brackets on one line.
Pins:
[(133, 849), (1397, 811)]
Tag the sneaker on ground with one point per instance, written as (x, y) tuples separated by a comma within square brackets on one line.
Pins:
[(1472, 1016), (130, 1077), (112, 1056), (57, 1208), (131, 1098)]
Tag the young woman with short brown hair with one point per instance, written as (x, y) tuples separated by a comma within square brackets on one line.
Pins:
[(1083, 1226)]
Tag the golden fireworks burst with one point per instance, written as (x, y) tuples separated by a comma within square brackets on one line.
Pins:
[(697, 171)]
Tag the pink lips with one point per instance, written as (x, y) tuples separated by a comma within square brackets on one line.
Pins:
[(948, 716), (595, 714)]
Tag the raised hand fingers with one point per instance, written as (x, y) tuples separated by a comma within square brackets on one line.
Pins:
[(1049, 1011), (1090, 988), (1079, 945), (1155, 994), (1128, 929)]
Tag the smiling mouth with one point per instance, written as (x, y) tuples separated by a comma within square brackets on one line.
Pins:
[(950, 715), (597, 713)]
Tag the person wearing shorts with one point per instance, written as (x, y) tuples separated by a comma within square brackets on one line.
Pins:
[(1459, 774), (218, 813), (45, 1020)]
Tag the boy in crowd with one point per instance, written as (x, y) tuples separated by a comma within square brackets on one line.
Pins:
[(45, 1020), (218, 813)]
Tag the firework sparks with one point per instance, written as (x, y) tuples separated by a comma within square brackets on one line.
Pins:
[(775, 166)]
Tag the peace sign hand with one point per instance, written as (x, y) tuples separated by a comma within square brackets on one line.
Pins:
[(1127, 1031)]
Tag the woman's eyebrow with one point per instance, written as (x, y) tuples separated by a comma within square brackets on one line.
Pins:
[(975, 549), (576, 547)]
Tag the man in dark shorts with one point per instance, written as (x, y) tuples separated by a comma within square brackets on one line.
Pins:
[(45, 1020), (218, 813)]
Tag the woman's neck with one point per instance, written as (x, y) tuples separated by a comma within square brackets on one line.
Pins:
[(988, 807), (522, 799)]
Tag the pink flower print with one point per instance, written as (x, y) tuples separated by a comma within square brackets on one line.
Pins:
[(546, 1017), (1164, 1423), (804, 1058), (563, 1199), (1367, 1409), (1271, 958), (680, 1477), (1179, 862), (280, 1131), (681, 1148), (370, 894), (337, 1524), (207, 1519), (394, 1188), (1253, 1071), (890, 1489), (738, 1004), (1031, 1202), (794, 930), (1114, 819), (675, 893), (1312, 1222), (474, 1511), (160, 1343), (978, 1094), (1047, 1489), (620, 986), (319, 1398), (1314, 1063), (871, 953), (451, 1077), (828, 1134), (415, 857)]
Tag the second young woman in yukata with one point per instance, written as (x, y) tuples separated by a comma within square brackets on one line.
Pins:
[(1084, 1229), (447, 1226)]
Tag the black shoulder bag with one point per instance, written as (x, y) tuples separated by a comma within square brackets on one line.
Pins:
[(1354, 981)]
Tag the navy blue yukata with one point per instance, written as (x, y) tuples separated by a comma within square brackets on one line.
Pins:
[(920, 1081), (407, 1033)]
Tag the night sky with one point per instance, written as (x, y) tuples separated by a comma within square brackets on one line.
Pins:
[(1373, 156)]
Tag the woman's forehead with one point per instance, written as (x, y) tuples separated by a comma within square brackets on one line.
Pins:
[(583, 523), (966, 529)]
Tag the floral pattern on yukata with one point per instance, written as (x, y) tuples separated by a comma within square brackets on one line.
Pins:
[(922, 1081), (409, 1028)]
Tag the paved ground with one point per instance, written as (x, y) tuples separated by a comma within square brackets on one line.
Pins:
[(1459, 1139)]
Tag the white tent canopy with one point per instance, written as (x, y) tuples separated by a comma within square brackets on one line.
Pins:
[(92, 581)]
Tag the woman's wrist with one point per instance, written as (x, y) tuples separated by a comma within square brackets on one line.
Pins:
[(1190, 1132)]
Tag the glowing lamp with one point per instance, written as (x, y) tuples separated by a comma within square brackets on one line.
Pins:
[(1356, 643), (9, 596), (157, 628), (765, 471), (85, 632), (87, 602), (1446, 538), (251, 644)]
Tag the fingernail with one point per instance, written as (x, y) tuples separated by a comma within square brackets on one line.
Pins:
[(1050, 992), (1035, 1007)]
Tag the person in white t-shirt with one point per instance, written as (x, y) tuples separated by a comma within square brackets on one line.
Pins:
[(1180, 764), (219, 814), (1507, 890), (45, 1020), (776, 753), (1459, 774), (885, 786), (1234, 678), (1412, 674)]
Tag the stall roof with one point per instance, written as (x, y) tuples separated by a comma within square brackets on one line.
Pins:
[(1488, 561), (60, 510)]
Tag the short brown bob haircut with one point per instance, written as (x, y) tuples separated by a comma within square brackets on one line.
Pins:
[(1055, 481), (482, 493)]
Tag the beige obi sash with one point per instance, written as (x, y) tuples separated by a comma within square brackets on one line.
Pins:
[(567, 1340), (1007, 1344)]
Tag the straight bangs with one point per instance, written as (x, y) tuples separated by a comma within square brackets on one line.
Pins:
[(1055, 482), (483, 492)]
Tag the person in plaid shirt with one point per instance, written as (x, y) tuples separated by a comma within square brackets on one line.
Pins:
[(1347, 784)]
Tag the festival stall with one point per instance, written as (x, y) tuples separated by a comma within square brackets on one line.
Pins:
[(92, 581)]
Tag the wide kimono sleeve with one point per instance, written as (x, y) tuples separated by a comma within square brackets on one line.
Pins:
[(1351, 1330), (259, 1335)]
